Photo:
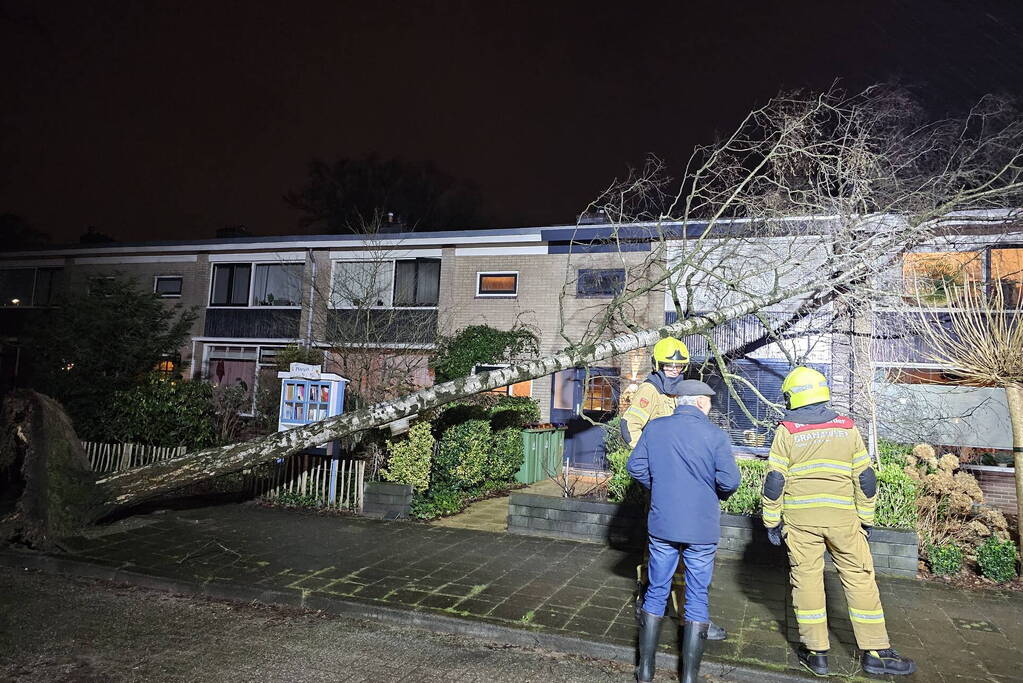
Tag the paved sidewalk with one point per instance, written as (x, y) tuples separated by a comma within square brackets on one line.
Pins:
[(492, 514), (541, 586)]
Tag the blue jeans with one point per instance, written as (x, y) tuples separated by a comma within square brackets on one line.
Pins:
[(699, 563)]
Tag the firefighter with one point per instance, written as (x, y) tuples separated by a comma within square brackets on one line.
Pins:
[(669, 358), (686, 461), (819, 495)]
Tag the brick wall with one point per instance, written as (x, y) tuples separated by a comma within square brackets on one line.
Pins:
[(742, 538), (386, 501), (998, 485)]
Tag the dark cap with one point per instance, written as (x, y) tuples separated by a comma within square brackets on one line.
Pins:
[(693, 387)]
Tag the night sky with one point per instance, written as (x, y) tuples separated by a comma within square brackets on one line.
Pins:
[(167, 120)]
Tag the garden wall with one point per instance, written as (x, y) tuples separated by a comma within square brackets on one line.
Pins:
[(386, 501), (998, 485), (895, 551)]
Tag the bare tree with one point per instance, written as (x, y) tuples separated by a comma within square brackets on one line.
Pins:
[(980, 342), (793, 213)]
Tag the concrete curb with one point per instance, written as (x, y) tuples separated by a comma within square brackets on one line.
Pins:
[(429, 621)]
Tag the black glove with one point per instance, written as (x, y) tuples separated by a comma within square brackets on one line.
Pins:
[(774, 534), (866, 530)]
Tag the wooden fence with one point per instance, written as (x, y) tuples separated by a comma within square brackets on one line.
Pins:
[(308, 478), (114, 457)]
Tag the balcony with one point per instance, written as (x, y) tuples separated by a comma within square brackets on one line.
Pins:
[(252, 323)]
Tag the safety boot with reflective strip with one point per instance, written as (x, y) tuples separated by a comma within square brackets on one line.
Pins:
[(814, 660)]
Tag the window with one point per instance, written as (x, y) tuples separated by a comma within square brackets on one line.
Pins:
[(932, 278), (518, 389), (230, 284), (600, 282), (251, 367), (167, 286), (600, 394), (497, 284), (1007, 274), (362, 284), (16, 287), (277, 284), (416, 282)]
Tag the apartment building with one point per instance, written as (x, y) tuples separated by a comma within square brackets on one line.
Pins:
[(387, 297)]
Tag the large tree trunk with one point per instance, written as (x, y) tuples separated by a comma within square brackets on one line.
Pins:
[(1014, 396), (134, 486), (47, 488)]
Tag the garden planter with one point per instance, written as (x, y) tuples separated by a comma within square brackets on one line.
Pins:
[(387, 501), (624, 526)]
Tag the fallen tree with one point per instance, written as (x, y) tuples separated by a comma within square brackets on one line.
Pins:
[(838, 186)]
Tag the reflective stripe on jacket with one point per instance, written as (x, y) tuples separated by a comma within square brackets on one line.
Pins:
[(648, 403), (820, 466)]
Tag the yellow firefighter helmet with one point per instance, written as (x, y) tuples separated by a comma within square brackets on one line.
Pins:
[(804, 386), (669, 351)]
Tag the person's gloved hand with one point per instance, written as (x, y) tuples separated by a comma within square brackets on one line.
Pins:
[(774, 535), (866, 530)]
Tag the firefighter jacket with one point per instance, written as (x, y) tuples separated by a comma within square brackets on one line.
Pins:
[(687, 463), (819, 473), (653, 399)]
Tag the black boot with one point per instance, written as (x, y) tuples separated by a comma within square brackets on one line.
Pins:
[(814, 660), (694, 637), (649, 633), (887, 663)]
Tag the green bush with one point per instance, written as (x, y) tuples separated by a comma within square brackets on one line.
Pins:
[(437, 502), (458, 354), (506, 455), (895, 505), (514, 411), (997, 559), (463, 456), (621, 487), (162, 412), (746, 500), (891, 453), (409, 459), (945, 559), (613, 440)]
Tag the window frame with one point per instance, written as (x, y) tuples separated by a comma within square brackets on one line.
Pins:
[(252, 284), (480, 274), (331, 299), (598, 295), (394, 281), (156, 285)]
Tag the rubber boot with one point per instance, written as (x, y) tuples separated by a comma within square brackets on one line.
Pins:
[(814, 660), (715, 632), (649, 634), (887, 663), (694, 637)]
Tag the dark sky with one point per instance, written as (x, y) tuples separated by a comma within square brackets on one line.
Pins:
[(169, 119)]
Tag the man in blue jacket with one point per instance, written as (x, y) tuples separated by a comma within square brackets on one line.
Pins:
[(687, 464)]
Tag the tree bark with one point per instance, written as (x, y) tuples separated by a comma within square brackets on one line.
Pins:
[(1014, 396), (137, 485)]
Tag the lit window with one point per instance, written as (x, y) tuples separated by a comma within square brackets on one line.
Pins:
[(600, 394), (936, 278), (497, 284), (167, 286), (16, 287), (518, 389)]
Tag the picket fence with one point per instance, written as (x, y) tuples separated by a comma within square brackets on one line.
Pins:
[(114, 457), (303, 478), (335, 483)]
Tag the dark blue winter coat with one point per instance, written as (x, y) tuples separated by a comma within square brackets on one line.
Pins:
[(687, 464)]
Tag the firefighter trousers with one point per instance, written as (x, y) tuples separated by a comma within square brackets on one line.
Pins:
[(851, 553)]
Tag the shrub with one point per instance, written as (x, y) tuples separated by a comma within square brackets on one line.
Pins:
[(457, 355), (746, 500), (514, 411), (889, 452), (463, 455), (437, 502), (945, 559), (163, 412), (621, 487), (895, 505), (409, 459), (613, 440), (997, 559), (506, 455)]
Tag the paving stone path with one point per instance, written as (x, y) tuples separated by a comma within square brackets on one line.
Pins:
[(556, 586)]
